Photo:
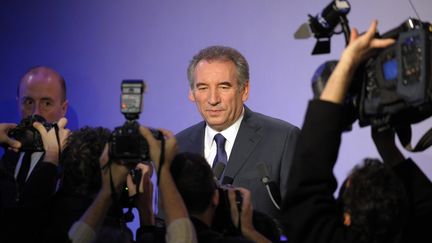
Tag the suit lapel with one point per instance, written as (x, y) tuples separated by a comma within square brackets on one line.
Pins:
[(197, 136), (9, 162), (246, 140)]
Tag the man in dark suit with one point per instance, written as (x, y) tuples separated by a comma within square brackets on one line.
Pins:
[(253, 145), (28, 179)]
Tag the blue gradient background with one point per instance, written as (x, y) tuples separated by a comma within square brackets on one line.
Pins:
[(96, 44)]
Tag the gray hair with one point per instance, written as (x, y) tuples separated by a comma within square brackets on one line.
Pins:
[(220, 53)]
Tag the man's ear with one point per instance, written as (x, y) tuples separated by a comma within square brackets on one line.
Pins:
[(191, 95), (245, 91), (347, 219), (64, 107)]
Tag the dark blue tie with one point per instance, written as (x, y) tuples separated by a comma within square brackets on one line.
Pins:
[(221, 155)]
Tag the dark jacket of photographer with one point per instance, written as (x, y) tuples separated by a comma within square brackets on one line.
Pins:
[(311, 213), (208, 235), (21, 208)]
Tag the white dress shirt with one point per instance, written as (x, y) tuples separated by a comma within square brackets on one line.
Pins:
[(230, 134)]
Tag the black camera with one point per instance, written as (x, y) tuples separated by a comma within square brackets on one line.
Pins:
[(126, 142), (395, 85), (128, 145), (222, 221), (27, 135)]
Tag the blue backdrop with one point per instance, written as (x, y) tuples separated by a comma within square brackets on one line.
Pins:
[(96, 44)]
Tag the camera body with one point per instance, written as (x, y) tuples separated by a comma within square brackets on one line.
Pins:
[(28, 136), (397, 82), (126, 142), (222, 221), (395, 85), (128, 145)]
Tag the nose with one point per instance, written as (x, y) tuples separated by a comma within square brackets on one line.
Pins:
[(214, 97), (36, 109)]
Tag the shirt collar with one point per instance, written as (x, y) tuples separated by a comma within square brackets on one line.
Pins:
[(229, 133)]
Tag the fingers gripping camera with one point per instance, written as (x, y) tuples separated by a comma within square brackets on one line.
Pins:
[(28, 136)]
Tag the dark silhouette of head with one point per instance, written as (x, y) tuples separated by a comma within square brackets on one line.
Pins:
[(374, 200), (194, 180), (80, 161)]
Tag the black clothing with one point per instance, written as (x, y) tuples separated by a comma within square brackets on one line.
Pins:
[(310, 212), (207, 235), (37, 190), (21, 208)]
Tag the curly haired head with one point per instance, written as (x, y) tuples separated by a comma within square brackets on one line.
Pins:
[(375, 199), (80, 161)]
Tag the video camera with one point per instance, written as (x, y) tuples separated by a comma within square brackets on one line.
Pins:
[(397, 83), (28, 136), (126, 142), (394, 87)]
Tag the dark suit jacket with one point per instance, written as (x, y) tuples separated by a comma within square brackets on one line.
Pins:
[(21, 212), (260, 139), (311, 213)]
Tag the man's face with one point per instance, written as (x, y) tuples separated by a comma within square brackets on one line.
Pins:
[(40, 93), (217, 94)]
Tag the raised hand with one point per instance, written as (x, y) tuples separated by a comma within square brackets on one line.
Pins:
[(5, 139), (155, 145), (50, 142)]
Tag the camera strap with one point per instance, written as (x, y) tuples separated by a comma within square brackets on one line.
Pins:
[(117, 211), (404, 134), (161, 157), (56, 128)]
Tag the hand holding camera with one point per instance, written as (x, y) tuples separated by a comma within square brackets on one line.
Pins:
[(5, 128), (362, 47), (140, 189), (155, 146), (359, 48), (53, 140), (242, 212), (28, 135), (36, 135), (113, 174), (138, 178)]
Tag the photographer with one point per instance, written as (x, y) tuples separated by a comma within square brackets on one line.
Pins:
[(79, 184), (28, 179), (378, 202), (194, 180), (114, 174), (24, 198)]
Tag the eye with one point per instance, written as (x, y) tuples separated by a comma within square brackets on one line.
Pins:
[(46, 103), (27, 102), (225, 86), (201, 88)]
